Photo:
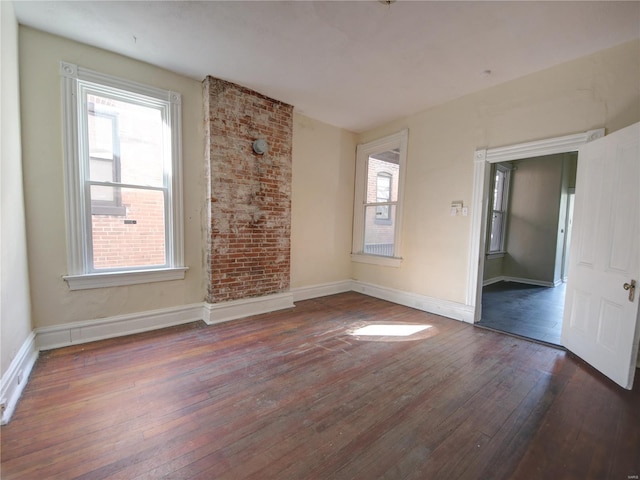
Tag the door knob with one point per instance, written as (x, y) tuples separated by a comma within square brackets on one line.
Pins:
[(631, 287)]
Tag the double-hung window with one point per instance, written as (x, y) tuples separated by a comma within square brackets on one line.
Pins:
[(377, 215), (499, 204), (122, 179)]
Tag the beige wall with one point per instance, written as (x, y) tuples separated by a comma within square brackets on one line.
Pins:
[(53, 302), (321, 202), (600, 90), (532, 225), (15, 310)]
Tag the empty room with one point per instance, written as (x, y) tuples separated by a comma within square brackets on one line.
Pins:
[(298, 240)]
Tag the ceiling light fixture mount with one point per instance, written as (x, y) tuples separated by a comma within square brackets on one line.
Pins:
[(260, 146)]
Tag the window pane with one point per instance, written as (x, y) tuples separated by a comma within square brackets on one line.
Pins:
[(134, 239), (495, 239), (137, 139), (383, 187), (102, 194), (103, 161), (102, 171), (385, 164), (101, 136), (498, 190), (383, 195), (379, 238)]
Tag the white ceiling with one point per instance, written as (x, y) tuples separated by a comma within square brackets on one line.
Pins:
[(356, 64)]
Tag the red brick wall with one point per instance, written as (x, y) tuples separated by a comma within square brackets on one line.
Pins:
[(250, 194)]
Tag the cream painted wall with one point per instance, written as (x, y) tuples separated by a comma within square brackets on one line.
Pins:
[(53, 302), (15, 309), (532, 227), (322, 199), (493, 268), (595, 91)]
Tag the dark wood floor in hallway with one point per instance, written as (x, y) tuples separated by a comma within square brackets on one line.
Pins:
[(303, 394), (526, 310)]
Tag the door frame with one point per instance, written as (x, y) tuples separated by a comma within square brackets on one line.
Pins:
[(482, 159)]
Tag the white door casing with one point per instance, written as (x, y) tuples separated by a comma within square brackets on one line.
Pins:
[(482, 160), (601, 324)]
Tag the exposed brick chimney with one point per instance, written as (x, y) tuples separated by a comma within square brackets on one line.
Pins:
[(250, 194)]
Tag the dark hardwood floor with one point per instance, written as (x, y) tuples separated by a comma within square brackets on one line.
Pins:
[(295, 395), (526, 310)]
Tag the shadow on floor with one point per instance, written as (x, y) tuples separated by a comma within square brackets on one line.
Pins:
[(525, 310)]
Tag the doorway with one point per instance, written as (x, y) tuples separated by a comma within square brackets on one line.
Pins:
[(601, 320), (527, 228), (483, 161)]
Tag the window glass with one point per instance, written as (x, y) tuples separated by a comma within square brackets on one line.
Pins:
[(135, 239), (499, 202), (383, 194), (379, 238), (125, 144)]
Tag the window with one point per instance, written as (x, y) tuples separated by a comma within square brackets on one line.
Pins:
[(123, 181), (383, 195), (378, 205), (499, 202)]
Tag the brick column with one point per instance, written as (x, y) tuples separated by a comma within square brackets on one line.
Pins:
[(250, 194)]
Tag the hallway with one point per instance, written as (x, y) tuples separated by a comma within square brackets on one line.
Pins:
[(526, 310)]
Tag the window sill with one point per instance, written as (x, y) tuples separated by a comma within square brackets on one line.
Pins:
[(491, 256), (376, 260), (116, 279)]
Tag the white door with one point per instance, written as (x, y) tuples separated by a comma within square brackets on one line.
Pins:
[(601, 318)]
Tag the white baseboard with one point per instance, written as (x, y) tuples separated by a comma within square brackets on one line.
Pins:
[(526, 281), (491, 281), (46, 338), (15, 378), (116, 326), (321, 290), (235, 309), (446, 308)]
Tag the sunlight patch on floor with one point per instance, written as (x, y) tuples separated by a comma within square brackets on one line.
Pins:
[(390, 330)]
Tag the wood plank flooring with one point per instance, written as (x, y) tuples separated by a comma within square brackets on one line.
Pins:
[(526, 310), (294, 395)]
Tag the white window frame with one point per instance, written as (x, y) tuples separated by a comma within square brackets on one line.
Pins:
[(502, 209), (78, 211), (397, 140)]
